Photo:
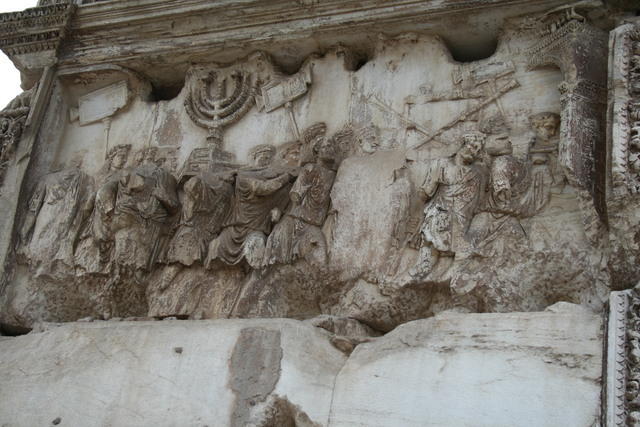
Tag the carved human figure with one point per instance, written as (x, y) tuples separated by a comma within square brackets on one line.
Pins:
[(299, 233), (57, 210), (453, 188), (12, 120), (206, 201), (138, 209), (544, 146), (368, 139), (518, 188), (107, 181), (260, 197)]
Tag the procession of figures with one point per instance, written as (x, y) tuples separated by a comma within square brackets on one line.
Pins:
[(253, 193), (139, 212)]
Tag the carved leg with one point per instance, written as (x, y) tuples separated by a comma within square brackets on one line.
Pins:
[(168, 274), (427, 259), (253, 249), (106, 298)]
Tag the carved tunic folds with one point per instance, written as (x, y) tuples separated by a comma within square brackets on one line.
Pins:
[(518, 188), (300, 228), (12, 121), (310, 194), (146, 198), (257, 193), (456, 192), (57, 210), (207, 199)]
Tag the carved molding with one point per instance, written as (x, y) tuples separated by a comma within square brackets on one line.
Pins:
[(622, 386), (616, 360), (34, 30), (624, 111), (233, 27)]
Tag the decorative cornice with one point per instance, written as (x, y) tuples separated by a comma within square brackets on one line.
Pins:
[(34, 30), (158, 29)]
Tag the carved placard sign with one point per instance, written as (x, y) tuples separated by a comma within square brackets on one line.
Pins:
[(102, 103), (278, 93)]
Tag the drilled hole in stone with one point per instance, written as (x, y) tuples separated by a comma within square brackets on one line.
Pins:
[(166, 92), (13, 330), (356, 61), (472, 49)]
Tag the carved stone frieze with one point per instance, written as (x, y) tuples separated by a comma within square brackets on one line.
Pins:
[(625, 111), (353, 184), (622, 397), (569, 42), (412, 178), (12, 122)]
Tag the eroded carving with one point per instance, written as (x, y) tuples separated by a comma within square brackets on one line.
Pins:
[(564, 34), (453, 189), (56, 213), (35, 30), (298, 234), (12, 122), (144, 202), (261, 195), (273, 223), (210, 105)]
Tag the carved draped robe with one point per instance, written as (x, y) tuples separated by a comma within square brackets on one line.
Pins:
[(519, 190), (294, 236), (206, 203), (458, 193), (59, 207), (529, 187), (257, 192), (145, 201)]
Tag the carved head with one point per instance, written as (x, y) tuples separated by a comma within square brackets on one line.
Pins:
[(472, 146), (546, 125), (169, 160), (4, 125), (146, 155), (117, 156), (290, 153), (262, 155), (75, 162), (494, 125), (312, 138), (368, 138), (338, 146), (314, 133)]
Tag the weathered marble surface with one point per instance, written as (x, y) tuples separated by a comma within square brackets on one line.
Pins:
[(455, 369), (534, 369), (166, 373), (367, 167), (357, 204)]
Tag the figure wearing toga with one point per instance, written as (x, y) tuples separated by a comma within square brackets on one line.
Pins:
[(261, 194), (453, 188), (299, 232), (57, 210)]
